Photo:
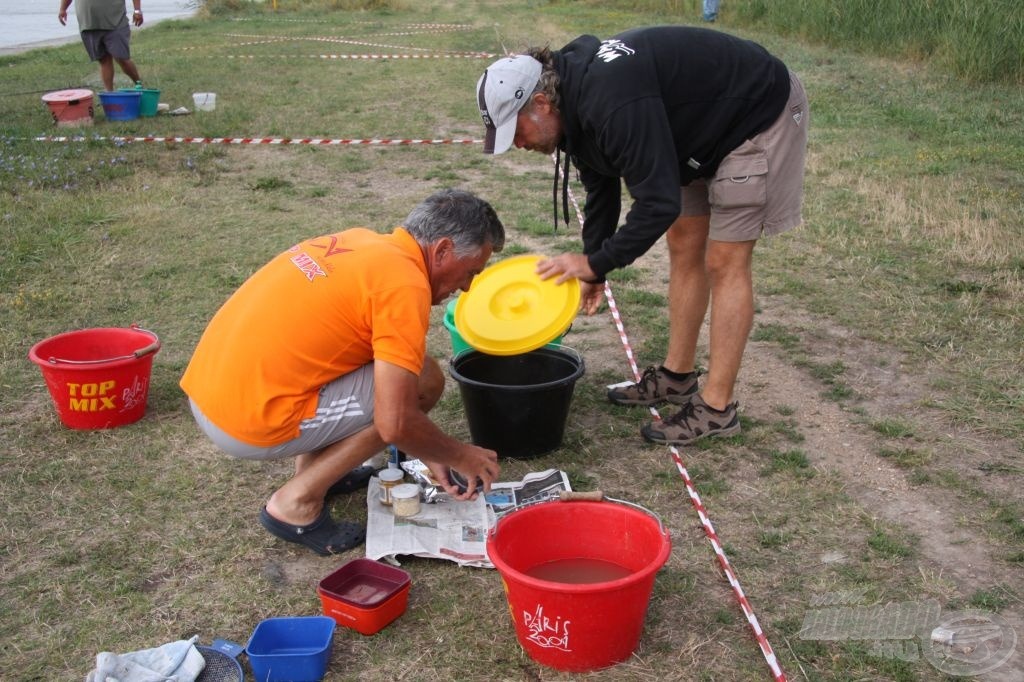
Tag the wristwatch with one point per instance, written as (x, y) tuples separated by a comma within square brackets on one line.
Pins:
[(138, 11)]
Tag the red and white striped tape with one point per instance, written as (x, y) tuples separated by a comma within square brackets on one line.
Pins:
[(283, 141), (352, 56), (702, 514), (438, 29), (364, 43), (441, 27), (190, 48), (426, 31), (344, 41)]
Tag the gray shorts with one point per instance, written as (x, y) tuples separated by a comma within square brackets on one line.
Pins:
[(100, 43), (344, 408), (758, 188)]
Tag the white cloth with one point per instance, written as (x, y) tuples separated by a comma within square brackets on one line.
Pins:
[(177, 661)]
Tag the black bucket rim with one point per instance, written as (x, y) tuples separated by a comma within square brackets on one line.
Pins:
[(571, 353)]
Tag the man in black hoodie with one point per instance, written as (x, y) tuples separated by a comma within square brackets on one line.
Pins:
[(709, 133)]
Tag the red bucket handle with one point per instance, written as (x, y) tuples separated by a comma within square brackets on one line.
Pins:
[(145, 350), (587, 496)]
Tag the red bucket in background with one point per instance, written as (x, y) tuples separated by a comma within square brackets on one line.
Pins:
[(570, 625), (98, 378), (70, 108)]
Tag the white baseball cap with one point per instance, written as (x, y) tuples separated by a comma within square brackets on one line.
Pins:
[(501, 93)]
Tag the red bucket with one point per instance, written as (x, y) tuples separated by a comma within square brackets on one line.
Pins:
[(98, 378), (571, 624), (70, 108)]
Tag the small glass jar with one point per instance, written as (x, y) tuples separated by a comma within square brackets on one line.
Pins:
[(389, 478), (406, 499)]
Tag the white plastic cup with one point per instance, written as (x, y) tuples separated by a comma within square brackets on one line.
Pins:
[(205, 101)]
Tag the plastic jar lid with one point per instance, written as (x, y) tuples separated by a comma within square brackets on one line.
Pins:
[(405, 499), (405, 491), (390, 475), (510, 310)]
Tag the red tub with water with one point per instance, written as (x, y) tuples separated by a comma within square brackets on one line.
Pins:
[(580, 623)]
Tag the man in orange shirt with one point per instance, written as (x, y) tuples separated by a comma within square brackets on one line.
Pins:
[(321, 356)]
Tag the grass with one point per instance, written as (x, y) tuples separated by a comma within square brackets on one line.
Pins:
[(893, 428), (907, 458), (978, 40), (889, 545), (981, 40), (124, 539)]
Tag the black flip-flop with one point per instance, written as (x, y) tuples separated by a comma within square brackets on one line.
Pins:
[(354, 480), (323, 536)]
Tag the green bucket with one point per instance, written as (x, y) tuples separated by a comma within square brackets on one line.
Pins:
[(459, 344), (148, 101)]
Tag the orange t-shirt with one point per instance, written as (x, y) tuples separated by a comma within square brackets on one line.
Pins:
[(325, 307)]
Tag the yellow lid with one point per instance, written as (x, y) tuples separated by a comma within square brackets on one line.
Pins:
[(510, 310)]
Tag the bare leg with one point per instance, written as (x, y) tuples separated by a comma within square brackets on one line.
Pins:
[(431, 384), (732, 316), (301, 499), (107, 72), (128, 66), (687, 290)]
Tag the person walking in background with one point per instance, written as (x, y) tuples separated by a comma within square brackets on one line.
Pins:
[(321, 356), (710, 10), (105, 33), (709, 133)]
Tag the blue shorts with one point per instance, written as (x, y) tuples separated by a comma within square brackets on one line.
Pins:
[(344, 408)]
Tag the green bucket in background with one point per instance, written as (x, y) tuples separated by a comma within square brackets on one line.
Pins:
[(148, 101)]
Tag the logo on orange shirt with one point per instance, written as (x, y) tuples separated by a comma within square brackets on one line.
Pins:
[(330, 249), (309, 267)]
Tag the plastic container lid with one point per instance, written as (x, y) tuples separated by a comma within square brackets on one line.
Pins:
[(391, 475), (405, 491), (67, 95), (510, 310)]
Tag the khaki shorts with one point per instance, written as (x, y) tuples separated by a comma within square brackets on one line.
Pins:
[(344, 408), (759, 187)]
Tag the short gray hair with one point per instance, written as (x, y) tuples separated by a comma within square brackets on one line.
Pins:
[(461, 216)]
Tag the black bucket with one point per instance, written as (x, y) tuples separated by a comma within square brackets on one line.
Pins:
[(517, 405)]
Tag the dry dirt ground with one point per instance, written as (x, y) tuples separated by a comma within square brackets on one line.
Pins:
[(952, 545), (955, 551), (954, 554)]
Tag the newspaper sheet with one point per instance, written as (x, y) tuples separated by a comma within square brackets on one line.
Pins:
[(450, 529)]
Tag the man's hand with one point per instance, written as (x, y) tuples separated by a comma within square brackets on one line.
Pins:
[(478, 466), (591, 296), (566, 266), (399, 419), (569, 265)]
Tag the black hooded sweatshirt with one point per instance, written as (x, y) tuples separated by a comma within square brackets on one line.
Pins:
[(657, 107)]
